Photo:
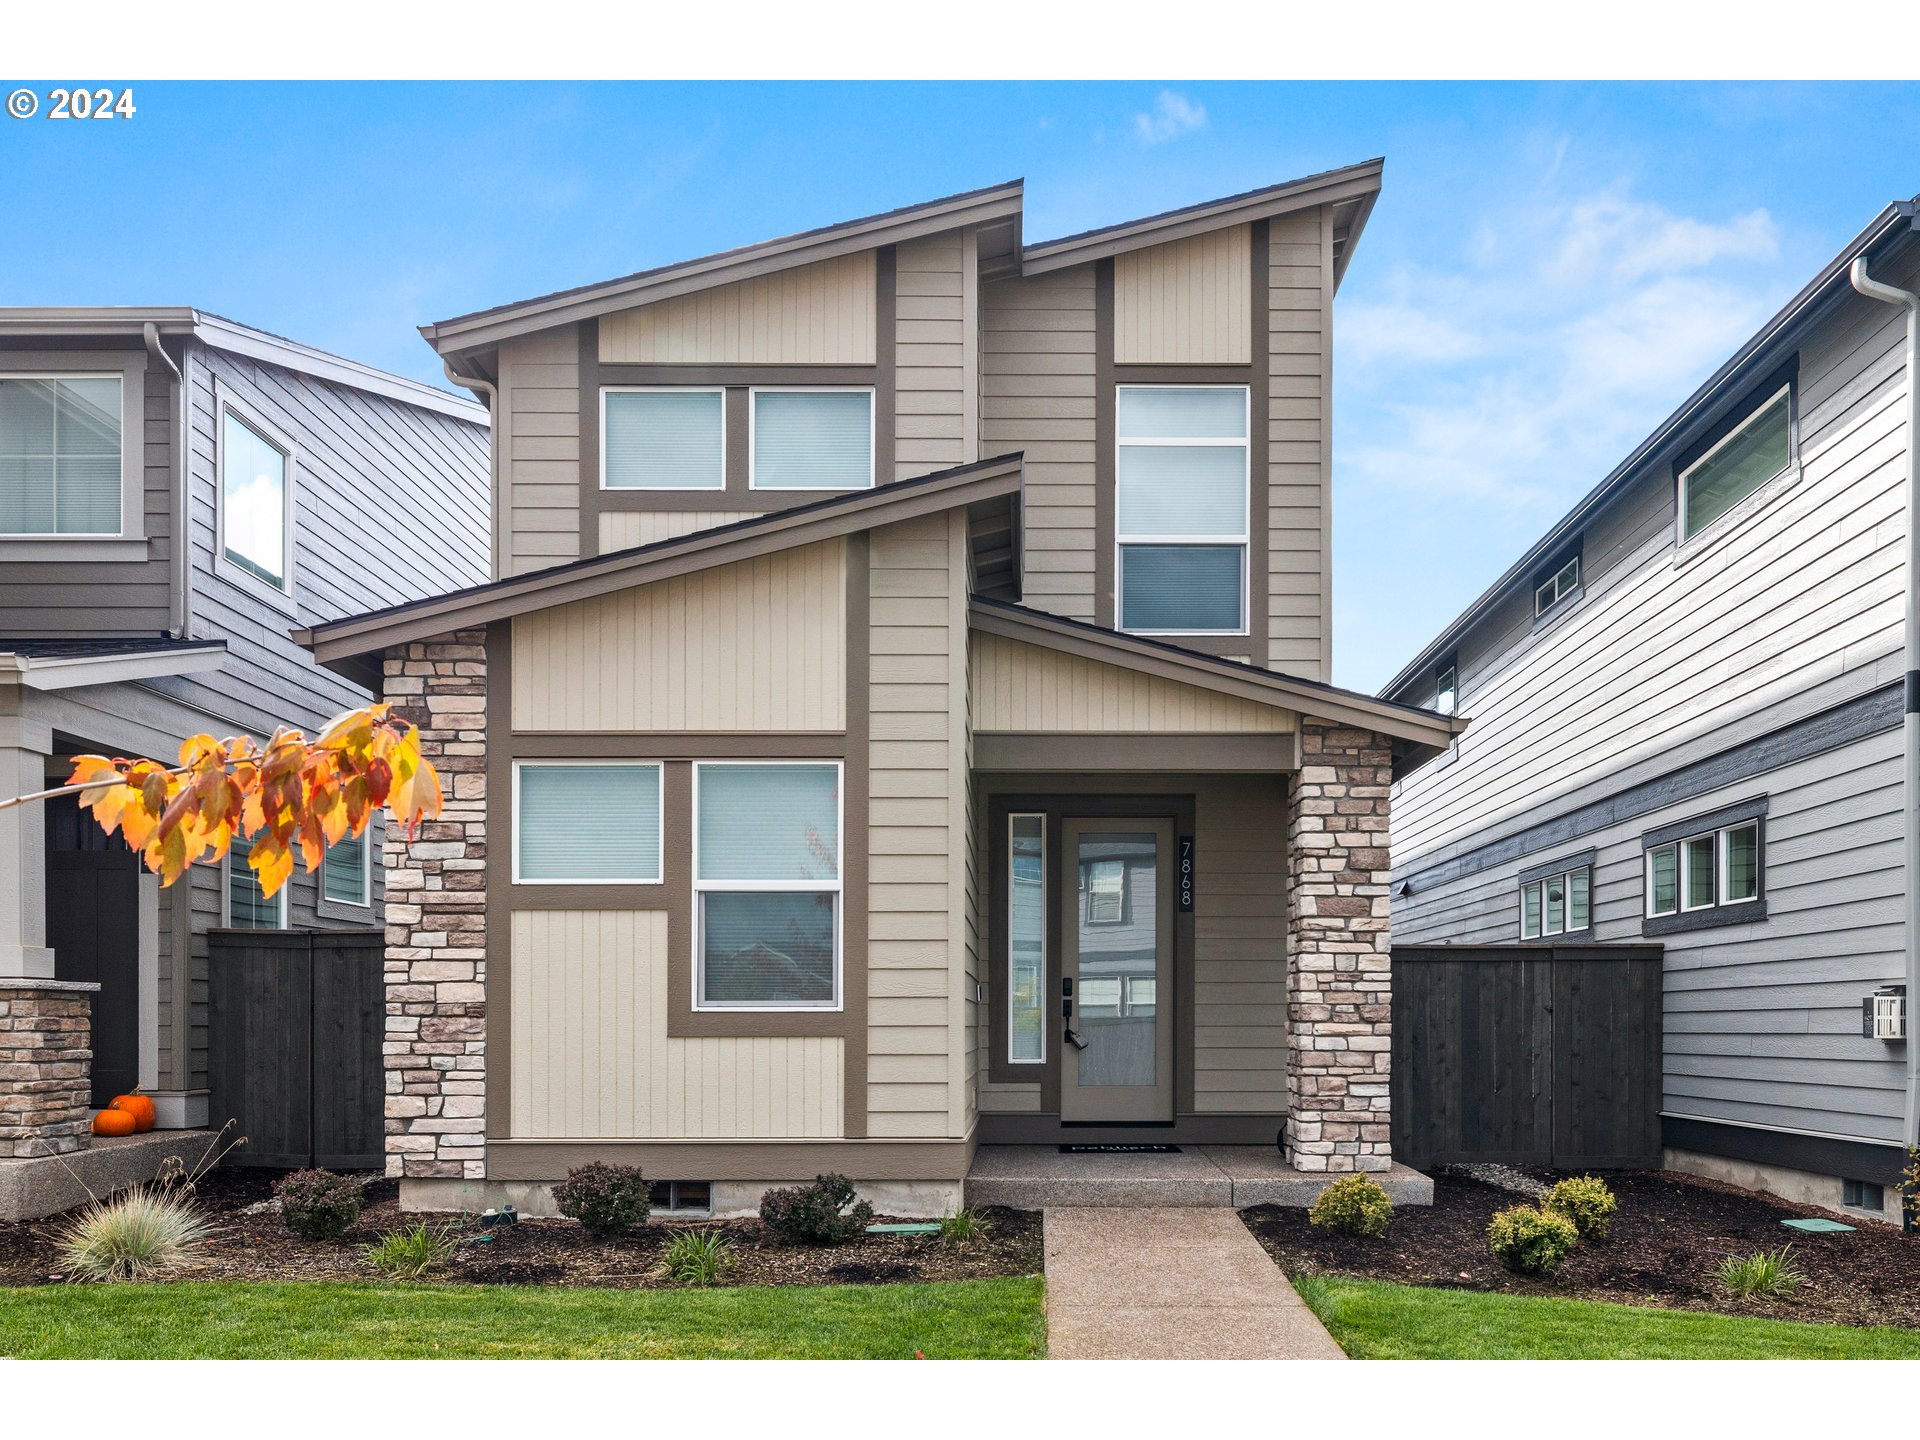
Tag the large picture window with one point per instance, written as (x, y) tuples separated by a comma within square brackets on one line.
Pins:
[(1739, 463), (652, 439), (256, 533), (814, 439), (766, 881), (60, 465), (1027, 939), (586, 823), (1180, 521)]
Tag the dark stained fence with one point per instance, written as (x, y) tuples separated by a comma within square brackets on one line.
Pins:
[(294, 1033), (1527, 1055)]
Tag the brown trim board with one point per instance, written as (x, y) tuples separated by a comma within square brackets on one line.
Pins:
[(1134, 751), (1105, 474)]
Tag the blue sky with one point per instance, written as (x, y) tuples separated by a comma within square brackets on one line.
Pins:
[(1550, 270)]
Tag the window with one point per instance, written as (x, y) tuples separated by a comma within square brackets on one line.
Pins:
[(60, 468), (1446, 688), (1027, 939), (346, 877), (1705, 871), (1562, 582), (1863, 1195), (1738, 464), (1556, 904), (255, 528), (1180, 518), (1106, 891), (663, 439), (682, 1197), (810, 440), (248, 906), (766, 882), (586, 823)]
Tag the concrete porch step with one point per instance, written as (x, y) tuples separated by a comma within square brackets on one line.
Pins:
[(47, 1184), (1037, 1177)]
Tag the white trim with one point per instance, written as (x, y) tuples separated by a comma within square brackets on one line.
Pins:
[(1777, 1129), (1045, 897), (753, 434), (1688, 905), (1724, 844), (590, 762), (1647, 905), (128, 370), (229, 567), (226, 892), (837, 889), (720, 390), (67, 672), (364, 839), (1567, 927), (1552, 582), (1734, 433)]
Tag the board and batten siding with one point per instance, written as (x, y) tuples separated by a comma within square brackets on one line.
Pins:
[(1021, 687), (539, 424), (1037, 396), (625, 529), (1299, 382), (591, 1057), (1188, 302), (936, 386), (756, 645), (819, 314)]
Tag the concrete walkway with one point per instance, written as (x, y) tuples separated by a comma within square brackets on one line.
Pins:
[(1170, 1284)]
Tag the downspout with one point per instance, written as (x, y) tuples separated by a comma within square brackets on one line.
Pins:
[(492, 394), (1892, 295), (180, 614)]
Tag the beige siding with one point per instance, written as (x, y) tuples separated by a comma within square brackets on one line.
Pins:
[(1023, 687), (624, 529), (1299, 476), (1239, 931), (540, 467), (917, 827), (1037, 396), (932, 395), (821, 314), (1187, 302), (591, 1058), (756, 645)]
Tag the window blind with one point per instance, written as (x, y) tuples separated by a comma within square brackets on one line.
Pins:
[(588, 822), (769, 822), (1198, 490), (665, 440), (812, 440), (60, 457), (1180, 587)]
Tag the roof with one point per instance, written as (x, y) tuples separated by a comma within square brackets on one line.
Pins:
[(65, 664), (30, 321), (1891, 227), (978, 484)]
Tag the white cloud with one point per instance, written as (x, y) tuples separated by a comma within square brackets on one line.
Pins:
[(1172, 114)]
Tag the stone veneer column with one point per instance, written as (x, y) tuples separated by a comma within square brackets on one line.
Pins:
[(436, 893), (1339, 961), (46, 1067)]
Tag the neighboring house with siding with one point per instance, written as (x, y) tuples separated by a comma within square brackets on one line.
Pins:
[(1687, 729), (898, 718), (177, 493)]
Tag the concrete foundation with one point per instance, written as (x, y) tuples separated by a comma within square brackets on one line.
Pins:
[(910, 1199), (1803, 1187), (1036, 1177), (46, 1185)]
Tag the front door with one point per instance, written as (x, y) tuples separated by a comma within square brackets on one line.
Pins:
[(1116, 971), (93, 926)]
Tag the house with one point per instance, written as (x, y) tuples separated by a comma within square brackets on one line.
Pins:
[(898, 718), (1688, 705), (177, 493)]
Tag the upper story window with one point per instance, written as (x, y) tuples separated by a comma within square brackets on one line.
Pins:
[(60, 461), (1752, 452), (1446, 686), (1181, 520), (1559, 583), (810, 439), (663, 439), (256, 501)]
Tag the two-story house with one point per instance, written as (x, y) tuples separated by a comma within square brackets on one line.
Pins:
[(1688, 702), (898, 719), (177, 493)]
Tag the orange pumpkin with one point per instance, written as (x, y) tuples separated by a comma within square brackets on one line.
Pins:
[(138, 1106), (113, 1122)]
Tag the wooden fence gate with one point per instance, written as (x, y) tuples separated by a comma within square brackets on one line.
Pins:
[(294, 1021), (1527, 1055)]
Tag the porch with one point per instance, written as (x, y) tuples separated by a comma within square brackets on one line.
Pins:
[(1036, 1177)]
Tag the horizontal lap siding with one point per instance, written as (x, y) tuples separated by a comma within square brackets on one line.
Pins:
[(1240, 952), (1299, 322), (592, 1059), (624, 529), (756, 645), (1021, 687), (540, 441), (1187, 302), (933, 397), (820, 314), (1037, 396)]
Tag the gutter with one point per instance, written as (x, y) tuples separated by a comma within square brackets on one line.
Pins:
[(180, 615), (1910, 302)]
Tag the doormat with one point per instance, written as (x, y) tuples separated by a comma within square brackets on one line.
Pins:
[(1119, 1149)]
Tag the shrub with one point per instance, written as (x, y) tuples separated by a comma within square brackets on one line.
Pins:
[(1530, 1240), (962, 1228), (605, 1199), (1767, 1273), (698, 1257), (1353, 1205), (318, 1204), (1586, 1201), (409, 1254), (132, 1235), (827, 1212)]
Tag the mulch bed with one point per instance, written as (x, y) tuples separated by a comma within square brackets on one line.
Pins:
[(1669, 1235), (537, 1252)]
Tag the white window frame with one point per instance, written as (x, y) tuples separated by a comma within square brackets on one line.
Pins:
[(226, 894), (1446, 688), (1724, 843), (720, 390), (753, 434), (1721, 839), (1552, 582), (1652, 850), (1688, 902), (92, 544), (365, 902), (1565, 877), (279, 596), (1121, 540), (1046, 955), (596, 762), (1752, 413), (837, 889)]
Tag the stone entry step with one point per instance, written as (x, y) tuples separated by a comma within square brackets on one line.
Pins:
[(1231, 1177)]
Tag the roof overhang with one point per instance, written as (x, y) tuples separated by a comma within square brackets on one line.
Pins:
[(71, 671), (980, 485)]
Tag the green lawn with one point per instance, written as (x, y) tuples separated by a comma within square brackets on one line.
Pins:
[(1373, 1321), (972, 1319)]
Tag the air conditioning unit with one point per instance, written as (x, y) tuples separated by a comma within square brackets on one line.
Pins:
[(1883, 1014)]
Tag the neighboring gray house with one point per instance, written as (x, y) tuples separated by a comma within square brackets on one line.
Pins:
[(1686, 706), (306, 487)]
